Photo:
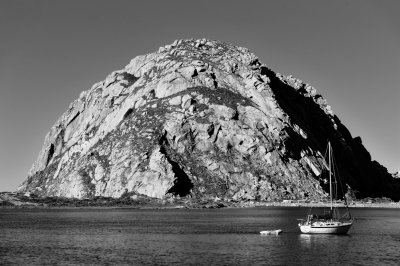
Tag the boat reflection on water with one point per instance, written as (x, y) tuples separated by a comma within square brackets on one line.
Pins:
[(308, 240), (305, 238)]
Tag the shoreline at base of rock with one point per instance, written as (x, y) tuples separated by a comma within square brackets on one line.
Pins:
[(14, 201)]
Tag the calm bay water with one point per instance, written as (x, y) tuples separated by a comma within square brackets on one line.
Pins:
[(185, 237)]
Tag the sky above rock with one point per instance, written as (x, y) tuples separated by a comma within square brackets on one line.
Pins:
[(51, 50)]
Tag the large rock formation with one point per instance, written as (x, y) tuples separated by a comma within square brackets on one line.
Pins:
[(201, 118)]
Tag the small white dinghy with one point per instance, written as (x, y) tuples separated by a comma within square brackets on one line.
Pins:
[(271, 232)]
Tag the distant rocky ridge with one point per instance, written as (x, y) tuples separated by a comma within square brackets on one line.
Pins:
[(201, 119)]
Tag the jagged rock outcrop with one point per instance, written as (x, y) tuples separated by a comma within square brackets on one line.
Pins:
[(201, 118)]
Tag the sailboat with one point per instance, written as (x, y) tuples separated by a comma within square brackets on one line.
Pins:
[(330, 222)]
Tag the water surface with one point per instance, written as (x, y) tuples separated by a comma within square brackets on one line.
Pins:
[(192, 237)]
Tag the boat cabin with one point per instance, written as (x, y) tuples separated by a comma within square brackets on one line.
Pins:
[(325, 216)]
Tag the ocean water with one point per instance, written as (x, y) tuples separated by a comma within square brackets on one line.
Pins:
[(191, 237)]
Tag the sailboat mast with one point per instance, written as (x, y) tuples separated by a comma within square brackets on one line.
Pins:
[(330, 174)]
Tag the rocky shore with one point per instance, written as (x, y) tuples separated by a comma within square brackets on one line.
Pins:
[(18, 200)]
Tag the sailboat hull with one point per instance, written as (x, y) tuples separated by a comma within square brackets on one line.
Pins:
[(326, 228)]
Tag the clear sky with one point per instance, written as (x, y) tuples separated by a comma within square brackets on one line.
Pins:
[(52, 50)]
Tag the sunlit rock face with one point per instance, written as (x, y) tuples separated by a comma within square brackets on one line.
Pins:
[(201, 119)]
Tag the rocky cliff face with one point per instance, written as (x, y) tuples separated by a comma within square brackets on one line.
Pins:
[(202, 119)]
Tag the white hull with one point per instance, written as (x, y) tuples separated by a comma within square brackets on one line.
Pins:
[(326, 228)]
